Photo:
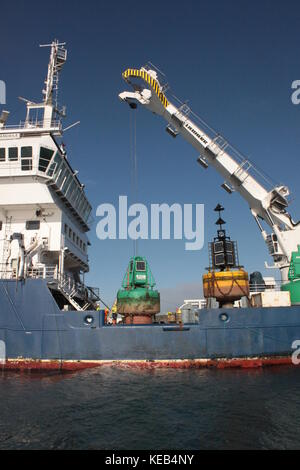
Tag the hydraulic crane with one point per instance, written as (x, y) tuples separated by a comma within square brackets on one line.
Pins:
[(267, 202)]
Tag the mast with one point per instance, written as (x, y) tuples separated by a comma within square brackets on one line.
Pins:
[(58, 57), (46, 115)]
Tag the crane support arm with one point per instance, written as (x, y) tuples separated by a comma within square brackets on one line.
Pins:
[(266, 201)]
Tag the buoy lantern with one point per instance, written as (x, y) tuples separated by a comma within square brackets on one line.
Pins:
[(226, 281)]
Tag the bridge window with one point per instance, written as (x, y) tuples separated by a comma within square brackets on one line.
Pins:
[(2, 154), (71, 191), (66, 184), (33, 225), (45, 157), (54, 167), (87, 212), (13, 154), (61, 176), (26, 158)]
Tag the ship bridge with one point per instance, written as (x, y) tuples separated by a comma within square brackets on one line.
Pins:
[(35, 153), (44, 212)]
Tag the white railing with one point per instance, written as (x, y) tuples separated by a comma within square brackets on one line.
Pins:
[(257, 288), (64, 282), (33, 124), (43, 272), (219, 142)]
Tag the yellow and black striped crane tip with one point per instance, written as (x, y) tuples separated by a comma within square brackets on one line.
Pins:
[(148, 79)]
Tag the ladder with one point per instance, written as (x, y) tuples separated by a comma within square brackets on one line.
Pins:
[(6, 247), (69, 294)]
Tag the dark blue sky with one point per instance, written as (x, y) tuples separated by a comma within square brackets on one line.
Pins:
[(233, 60)]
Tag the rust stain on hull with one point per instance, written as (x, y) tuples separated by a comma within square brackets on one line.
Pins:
[(222, 363)]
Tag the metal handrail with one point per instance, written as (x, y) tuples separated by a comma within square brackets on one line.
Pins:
[(230, 149), (53, 123), (257, 288), (65, 281)]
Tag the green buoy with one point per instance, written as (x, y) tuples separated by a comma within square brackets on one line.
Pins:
[(137, 300), (293, 287)]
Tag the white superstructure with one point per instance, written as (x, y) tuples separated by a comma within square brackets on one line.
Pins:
[(267, 202), (44, 212)]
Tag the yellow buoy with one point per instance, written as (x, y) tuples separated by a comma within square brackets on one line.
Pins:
[(226, 286)]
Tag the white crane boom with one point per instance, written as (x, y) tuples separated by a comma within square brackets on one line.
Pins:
[(238, 172)]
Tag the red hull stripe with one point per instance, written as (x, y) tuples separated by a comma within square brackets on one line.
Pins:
[(32, 364)]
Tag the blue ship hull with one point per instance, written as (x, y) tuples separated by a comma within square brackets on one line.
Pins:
[(37, 334)]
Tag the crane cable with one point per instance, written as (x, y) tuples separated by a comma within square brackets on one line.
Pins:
[(133, 164)]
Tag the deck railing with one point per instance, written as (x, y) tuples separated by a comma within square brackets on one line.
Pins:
[(34, 124), (51, 274), (256, 288)]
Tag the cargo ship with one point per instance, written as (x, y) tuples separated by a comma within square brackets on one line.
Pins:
[(49, 316)]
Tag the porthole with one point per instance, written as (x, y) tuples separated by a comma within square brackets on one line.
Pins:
[(89, 320), (224, 317)]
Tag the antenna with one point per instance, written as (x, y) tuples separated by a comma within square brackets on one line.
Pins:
[(72, 125), (25, 100), (58, 57)]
